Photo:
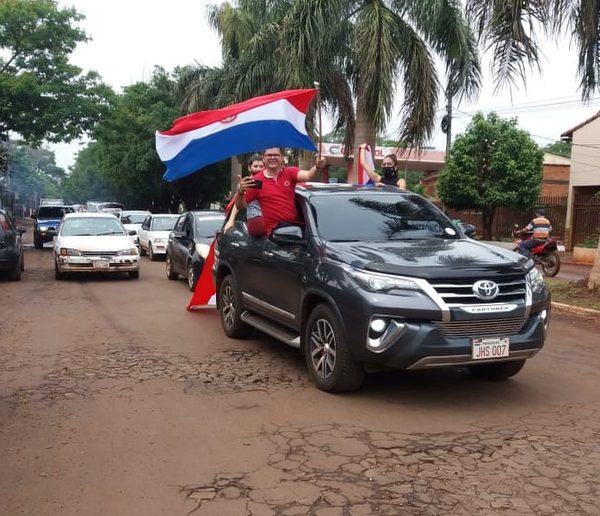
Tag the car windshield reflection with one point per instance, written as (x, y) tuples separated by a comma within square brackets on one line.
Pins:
[(91, 227)]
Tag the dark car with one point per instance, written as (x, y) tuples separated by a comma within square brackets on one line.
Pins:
[(189, 243), (380, 278), (11, 247), (46, 221)]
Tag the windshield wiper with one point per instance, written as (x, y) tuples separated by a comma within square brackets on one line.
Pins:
[(109, 233)]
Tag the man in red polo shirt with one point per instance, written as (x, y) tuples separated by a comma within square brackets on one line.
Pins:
[(276, 195)]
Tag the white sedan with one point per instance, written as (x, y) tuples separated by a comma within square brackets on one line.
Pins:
[(94, 242), (154, 233), (133, 219)]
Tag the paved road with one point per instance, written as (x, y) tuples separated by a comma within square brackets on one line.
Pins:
[(115, 400)]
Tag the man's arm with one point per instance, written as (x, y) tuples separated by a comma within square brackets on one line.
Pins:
[(311, 174)]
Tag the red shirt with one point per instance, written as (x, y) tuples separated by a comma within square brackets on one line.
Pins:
[(276, 197)]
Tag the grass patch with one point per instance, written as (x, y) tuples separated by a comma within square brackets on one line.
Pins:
[(574, 293)]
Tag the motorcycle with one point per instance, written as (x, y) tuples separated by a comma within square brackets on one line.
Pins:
[(545, 255)]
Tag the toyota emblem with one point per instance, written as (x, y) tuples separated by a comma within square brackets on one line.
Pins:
[(486, 289)]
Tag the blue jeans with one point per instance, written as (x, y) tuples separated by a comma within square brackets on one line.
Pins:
[(527, 245)]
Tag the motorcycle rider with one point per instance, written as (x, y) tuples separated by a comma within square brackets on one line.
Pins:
[(540, 228)]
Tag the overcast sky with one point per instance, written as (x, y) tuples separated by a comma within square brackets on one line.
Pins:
[(130, 37)]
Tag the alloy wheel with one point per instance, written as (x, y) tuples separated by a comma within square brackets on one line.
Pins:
[(323, 348), (228, 306)]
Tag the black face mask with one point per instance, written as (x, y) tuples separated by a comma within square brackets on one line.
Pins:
[(388, 172)]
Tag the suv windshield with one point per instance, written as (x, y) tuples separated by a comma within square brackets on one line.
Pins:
[(376, 217), (53, 212)]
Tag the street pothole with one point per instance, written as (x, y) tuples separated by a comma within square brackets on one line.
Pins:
[(530, 467), (228, 371)]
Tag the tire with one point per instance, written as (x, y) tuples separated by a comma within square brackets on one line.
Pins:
[(134, 274), (550, 264), (171, 274), (192, 277), (151, 254), (230, 310), (497, 371), (15, 273), (326, 352), (38, 242), (57, 274), (142, 250), (22, 266)]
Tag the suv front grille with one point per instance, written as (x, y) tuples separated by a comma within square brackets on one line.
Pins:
[(459, 292), (482, 328)]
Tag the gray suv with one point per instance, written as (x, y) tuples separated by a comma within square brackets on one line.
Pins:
[(381, 278)]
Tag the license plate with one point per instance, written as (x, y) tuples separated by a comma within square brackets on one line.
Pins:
[(483, 349), (100, 265), (560, 248)]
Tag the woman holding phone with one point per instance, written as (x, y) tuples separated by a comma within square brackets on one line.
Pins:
[(254, 165)]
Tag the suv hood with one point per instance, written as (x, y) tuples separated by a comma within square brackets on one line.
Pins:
[(429, 259)]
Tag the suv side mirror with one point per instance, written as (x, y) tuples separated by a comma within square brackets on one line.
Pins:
[(288, 235), (178, 235), (33, 214)]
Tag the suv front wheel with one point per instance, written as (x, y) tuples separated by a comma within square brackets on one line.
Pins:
[(230, 310), (326, 353)]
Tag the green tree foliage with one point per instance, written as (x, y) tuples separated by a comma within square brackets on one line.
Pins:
[(34, 173), (122, 163), (493, 164), (43, 96), (559, 148), (357, 50)]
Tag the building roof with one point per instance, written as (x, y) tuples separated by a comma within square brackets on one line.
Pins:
[(553, 159), (567, 135)]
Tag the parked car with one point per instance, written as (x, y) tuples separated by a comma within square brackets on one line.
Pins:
[(189, 243), (94, 242), (381, 278), (154, 233), (46, 221), (133, 220), (11, 247)]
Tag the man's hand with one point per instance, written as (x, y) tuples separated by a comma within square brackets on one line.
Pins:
[(244, 183), (320, 163)]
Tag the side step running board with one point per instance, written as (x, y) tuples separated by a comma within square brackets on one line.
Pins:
[(270, 328)]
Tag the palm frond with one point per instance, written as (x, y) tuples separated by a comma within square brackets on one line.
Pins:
[(586, 34)]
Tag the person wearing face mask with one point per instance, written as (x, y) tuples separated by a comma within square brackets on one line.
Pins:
[(389, 170)]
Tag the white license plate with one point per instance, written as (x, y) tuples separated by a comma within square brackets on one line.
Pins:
[(100, 265), (560, 248), (483, 349)]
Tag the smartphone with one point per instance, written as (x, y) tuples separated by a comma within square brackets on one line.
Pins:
[(256, 184)]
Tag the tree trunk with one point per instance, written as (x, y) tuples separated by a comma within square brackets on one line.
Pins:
[(487, 218), (363, 133), (594, 281)]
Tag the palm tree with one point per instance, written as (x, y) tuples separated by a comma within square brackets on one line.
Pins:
[(380, 44), (358, 50)]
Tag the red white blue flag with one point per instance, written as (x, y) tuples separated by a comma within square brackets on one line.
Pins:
[(206, 137), (205, 295)]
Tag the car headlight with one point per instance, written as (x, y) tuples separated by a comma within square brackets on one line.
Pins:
[(202, 250), (65, 251), (376, 282), (160, 240), (43, 228), (127, 252), (535, 280)]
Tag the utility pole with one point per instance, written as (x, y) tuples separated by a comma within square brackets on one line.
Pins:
[(447, 122)]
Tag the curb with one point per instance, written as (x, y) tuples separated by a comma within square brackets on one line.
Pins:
[(576, 310)]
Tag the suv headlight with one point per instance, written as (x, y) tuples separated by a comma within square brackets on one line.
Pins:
[(127, 252), (535, 280), (376, 282), (43, 228), (65, 251)]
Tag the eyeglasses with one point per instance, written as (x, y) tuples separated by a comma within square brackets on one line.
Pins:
[(272, 155)]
